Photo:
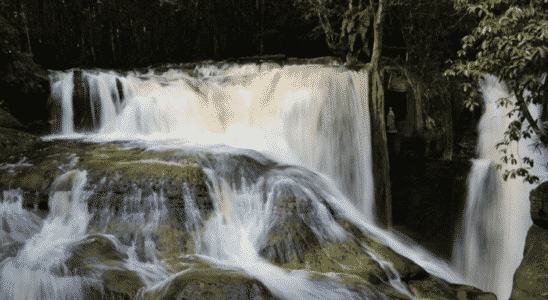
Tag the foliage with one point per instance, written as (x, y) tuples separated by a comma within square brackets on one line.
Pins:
[(137, 33), (344, 23), (19, 75), (510, 41)]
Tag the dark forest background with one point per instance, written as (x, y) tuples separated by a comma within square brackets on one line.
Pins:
[(62, 34)]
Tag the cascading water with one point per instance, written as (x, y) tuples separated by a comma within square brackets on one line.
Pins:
[(308, 115), (496, 220), (307, 126), (87, 102)]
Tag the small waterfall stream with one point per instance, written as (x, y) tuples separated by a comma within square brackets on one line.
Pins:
[(490, 245)]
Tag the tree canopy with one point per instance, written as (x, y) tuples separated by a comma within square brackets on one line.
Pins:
[(510, 41)]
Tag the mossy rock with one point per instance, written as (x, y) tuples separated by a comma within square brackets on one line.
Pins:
[(14, 142), (531, 277), (539, 205), (207, 283), (292, 244), (436, 288), (433, 288), (406, 268), (97, 257), (124, 169), (9, 121)]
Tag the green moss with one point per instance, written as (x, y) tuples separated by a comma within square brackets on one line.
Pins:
[(432, 288), (111, 160), (122, 282), (122, 167), (209, 283)]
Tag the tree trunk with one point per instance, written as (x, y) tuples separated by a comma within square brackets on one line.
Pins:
[(419, 124), (534, 125), (215, 47), (92, 44), (257, 28), (261, 43), (410, 116), (381, 166), (417, 102), (25, 23), (448, 151)]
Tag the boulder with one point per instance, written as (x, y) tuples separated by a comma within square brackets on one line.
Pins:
[(99, 259), (204, 281), (539, 205), (292, 245), (13, 142), (531, 277), (9, 121), (439, 289), (82, 104)]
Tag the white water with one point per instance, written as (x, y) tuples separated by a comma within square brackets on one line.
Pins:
[(309, 116), (305, 115), (496, 219)]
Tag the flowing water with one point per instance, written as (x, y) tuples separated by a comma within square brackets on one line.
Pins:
[(496, 220), (306, 129)]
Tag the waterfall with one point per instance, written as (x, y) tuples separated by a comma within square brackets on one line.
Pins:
[(490, 245), (306, 129), (87, 102), (307, 115)]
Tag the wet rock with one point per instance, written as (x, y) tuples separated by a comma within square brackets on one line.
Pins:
[(406, 268), (435, 288), (290, 237), (98, 258), (293, 243), (296, 242), (357, 286), (207, 282), (10, 250), (14, 142), (539, 205), (82, 104), (531, 277), (111, 169)]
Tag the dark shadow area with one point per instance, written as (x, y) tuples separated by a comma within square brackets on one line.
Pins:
[(428, 199)]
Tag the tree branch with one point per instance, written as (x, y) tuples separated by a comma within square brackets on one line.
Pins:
[(532, 122)]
